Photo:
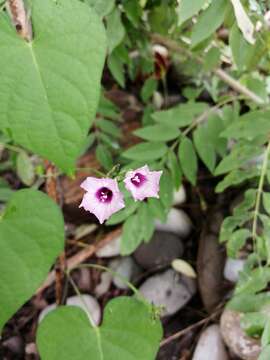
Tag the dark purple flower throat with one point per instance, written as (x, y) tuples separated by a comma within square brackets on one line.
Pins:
[(104, 195), (138, 179)]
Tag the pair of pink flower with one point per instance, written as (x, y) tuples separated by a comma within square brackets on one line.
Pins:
[(103, 197)]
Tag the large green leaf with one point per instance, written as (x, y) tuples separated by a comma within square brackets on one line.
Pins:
[(50, 87), (129, 332), (31, 237), (188, 8), (209, 21)]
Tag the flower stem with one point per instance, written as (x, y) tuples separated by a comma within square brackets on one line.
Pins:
[(259, 193)]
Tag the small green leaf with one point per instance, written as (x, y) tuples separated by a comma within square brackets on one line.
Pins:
[(30, 241), (25, 169), (115, 29), (188, 160), (157, 209), (130, 207), (212, 58), (104, 157), (253, 323), (209, 21), (166, 189), (148, 89), (204, 147), (236, 177), (242, 51), (174, 166), (108, 127), (133, 11), (146, 222), (146, 151), (249, 126), (131, 237), (249, 302), (238, 156), (237, 241), (255, 282), (116, 68), (266, 333), (158, 132), (180, 116), (129, 331), (266, 201), (188, 8)]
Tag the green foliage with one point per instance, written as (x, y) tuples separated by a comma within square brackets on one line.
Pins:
[(188, 160), (129, 330), (209, 21), (188, 8), (146, 151), (50, 125), (30, 241)]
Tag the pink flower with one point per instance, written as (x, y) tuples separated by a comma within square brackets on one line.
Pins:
[(143, 183), (102, 197)]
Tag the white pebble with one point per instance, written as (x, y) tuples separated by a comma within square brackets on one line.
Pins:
[(168, 290), (126, 268), (111, 249), (232, 269), (89, 304), (210, 345), (104, 285), (179, 196), (177, 222)]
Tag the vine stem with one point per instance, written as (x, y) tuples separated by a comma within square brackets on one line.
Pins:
[(259, 192), (104, 268), (233, 83)]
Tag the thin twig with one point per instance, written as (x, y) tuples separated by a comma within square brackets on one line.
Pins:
[(81, 256), (234, 84), (189, 328)]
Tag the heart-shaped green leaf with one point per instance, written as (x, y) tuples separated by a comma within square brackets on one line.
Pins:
[(50, 87), (31, 237), (129, 332)]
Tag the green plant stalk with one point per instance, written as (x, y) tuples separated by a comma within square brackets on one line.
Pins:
[(104, 268), (259, 194), (12, 147)]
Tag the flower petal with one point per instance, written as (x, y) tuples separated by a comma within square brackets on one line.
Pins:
[(143, 183), (91, 202)]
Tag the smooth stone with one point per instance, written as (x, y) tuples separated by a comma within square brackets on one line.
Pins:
[(243, 346), (232, 269), (89, 305), (104, 285), (180, 196), (126, 268), (210, 345), (168, 290), (177, 222), (161, 250), (111, 249)]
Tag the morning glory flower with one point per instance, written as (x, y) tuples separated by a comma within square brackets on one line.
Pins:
[(143, 183), (102, 197)]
